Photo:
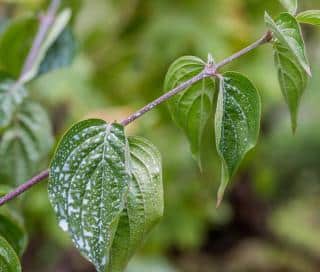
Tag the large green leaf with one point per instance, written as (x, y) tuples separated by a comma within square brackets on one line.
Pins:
[(309, 17), (12, 229), (237, 123), (25, 143), (15, 44), (9, 261), (190, 109), (292, 65), (89, 177), (11, 96), (144, 202), (290, 5), (288, 33), (292, 79)]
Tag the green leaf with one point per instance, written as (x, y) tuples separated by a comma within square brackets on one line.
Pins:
[(60, 54), (57, 48), (12, 229), (25, 143), (190, 109), (144, 202), (290, 5), (11, 96), (89, 177), (237, 123), (15, 44), (290, 60), (292, 78), (9, 261), (288, 33), (309, 17)]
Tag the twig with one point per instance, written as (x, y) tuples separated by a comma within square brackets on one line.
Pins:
[(207, 72), (24, 187)]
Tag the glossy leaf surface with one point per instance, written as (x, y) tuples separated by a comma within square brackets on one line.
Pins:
[(237, 123), (88, 184)]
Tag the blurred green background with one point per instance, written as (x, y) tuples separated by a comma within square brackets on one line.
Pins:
[(269, 220)]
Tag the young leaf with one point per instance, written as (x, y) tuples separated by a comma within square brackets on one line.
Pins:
[(237, 123), (9, 261), (88, 183), (290, 5), (57, 44), (144, 202), (289, 51), (288, 33), (292, 79), (15, 44), (190, 109), (309, 17), (12, 229), (25, 142), (11, 96)]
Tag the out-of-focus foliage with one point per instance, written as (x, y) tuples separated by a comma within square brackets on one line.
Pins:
[(125, 49)]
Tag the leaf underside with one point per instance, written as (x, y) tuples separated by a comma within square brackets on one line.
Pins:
[(144, 202), (11, 96), (88, 185), (311, 17), (25, 143), (9, 261), (192, 108), (237, 123)]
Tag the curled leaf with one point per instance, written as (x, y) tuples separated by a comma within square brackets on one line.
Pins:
[(192, 108)]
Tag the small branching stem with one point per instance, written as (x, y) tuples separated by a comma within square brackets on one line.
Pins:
[(211, 70)]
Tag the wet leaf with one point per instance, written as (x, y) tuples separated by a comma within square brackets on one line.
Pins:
[(144, 202), (311, 17), (9, 261), (237, 123), (25, 143), (192, 108), (88, 184), (11, 96)]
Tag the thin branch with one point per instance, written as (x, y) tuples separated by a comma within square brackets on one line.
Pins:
[(24, 187), (209, 71), (46, 22), (163, 98), (267, 37)]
